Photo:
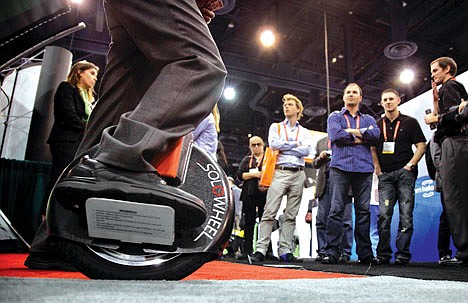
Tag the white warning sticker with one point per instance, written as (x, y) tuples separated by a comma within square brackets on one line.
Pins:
[(130, 221)]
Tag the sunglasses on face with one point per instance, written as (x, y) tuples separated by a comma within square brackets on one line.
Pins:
[(255, 144)]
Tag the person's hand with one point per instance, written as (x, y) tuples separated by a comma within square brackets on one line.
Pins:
[(430, 118), (462, 106), (435, 92), (207, 14), (258, 174), (377, 170), (323, 155), (308, 217)]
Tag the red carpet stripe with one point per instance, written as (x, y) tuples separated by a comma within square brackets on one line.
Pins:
[(11, 265)]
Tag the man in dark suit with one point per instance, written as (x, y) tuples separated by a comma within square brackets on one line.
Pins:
[(322, 192)]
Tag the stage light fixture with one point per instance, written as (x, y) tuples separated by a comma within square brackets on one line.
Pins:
[(267, 38), (229, 93), (407, 76)]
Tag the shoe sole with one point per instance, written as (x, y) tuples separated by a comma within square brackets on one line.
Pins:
[(34, 263), (188, 213)]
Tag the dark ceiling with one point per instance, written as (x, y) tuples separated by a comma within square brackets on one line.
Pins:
[(358, 33)]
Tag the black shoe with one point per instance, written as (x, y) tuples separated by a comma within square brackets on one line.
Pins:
[(289, 258), (401, 260), (91, 178), (242, 256), (448, 260), (368, 260), (270, 256), (256, 257), (47, 261), (319, 258), (382, 261), (329, 260), (344, 259)]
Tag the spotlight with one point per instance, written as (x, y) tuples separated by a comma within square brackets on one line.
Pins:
[(77, 1), (267, 38), (407, 76), (229, 93), (333, 60)]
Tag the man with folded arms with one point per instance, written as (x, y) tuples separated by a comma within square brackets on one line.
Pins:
[(293, 142)]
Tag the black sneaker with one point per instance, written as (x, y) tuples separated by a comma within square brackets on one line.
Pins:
[(368, 260), (256, 257), (270, 256), (382, 261), (344, 259), (47, 261), (91, 178), (329, 260), (448, 260), (289, 258), (401, 260), (319, 258)]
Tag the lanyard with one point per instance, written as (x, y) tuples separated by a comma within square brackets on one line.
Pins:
[(349, 124), (258, 163), (286, 132), (395, 133)]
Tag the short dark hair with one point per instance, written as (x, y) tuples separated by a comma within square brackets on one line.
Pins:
[(447, 61), (391, 90), (352, 83)]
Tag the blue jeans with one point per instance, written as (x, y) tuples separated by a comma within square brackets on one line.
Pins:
[(321, 223), (393, 186), (361, 184)]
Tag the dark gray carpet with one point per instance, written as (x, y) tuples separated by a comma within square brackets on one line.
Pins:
[(426, 271)]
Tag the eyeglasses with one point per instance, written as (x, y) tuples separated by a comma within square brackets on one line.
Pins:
[(255, 144)]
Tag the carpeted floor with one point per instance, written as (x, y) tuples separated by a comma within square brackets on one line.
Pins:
[(11, 265), (220, 281), (427, 271)]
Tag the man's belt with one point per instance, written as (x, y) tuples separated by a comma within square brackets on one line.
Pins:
[(290, 168)]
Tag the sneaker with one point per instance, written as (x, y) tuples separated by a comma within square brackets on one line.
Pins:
[(91, 178), (319, 258), (401, 260), (329, 260), (256, 257), (270, 256), (344, 259), (47, 261), (289, 258), (448, 260), (382, 261), (368, 260)]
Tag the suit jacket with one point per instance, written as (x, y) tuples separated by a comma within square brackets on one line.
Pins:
[(322, 167), (69, 115)]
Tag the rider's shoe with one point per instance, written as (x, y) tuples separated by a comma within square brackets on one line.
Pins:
[(91, 178)]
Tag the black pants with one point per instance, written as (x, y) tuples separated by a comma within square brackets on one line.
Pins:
[(249, 210), (454, 176), (62, 154)]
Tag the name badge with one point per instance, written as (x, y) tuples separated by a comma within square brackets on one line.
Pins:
[(388, 148), (254, 170)]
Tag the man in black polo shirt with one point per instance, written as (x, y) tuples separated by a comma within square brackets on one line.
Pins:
[(396, 166)]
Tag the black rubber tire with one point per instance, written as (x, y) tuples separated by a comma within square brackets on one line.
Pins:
[(95, 267)]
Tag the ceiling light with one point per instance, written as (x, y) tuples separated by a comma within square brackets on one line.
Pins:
[(267, 38), (77, 1), (229, 93), (407, 76)]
